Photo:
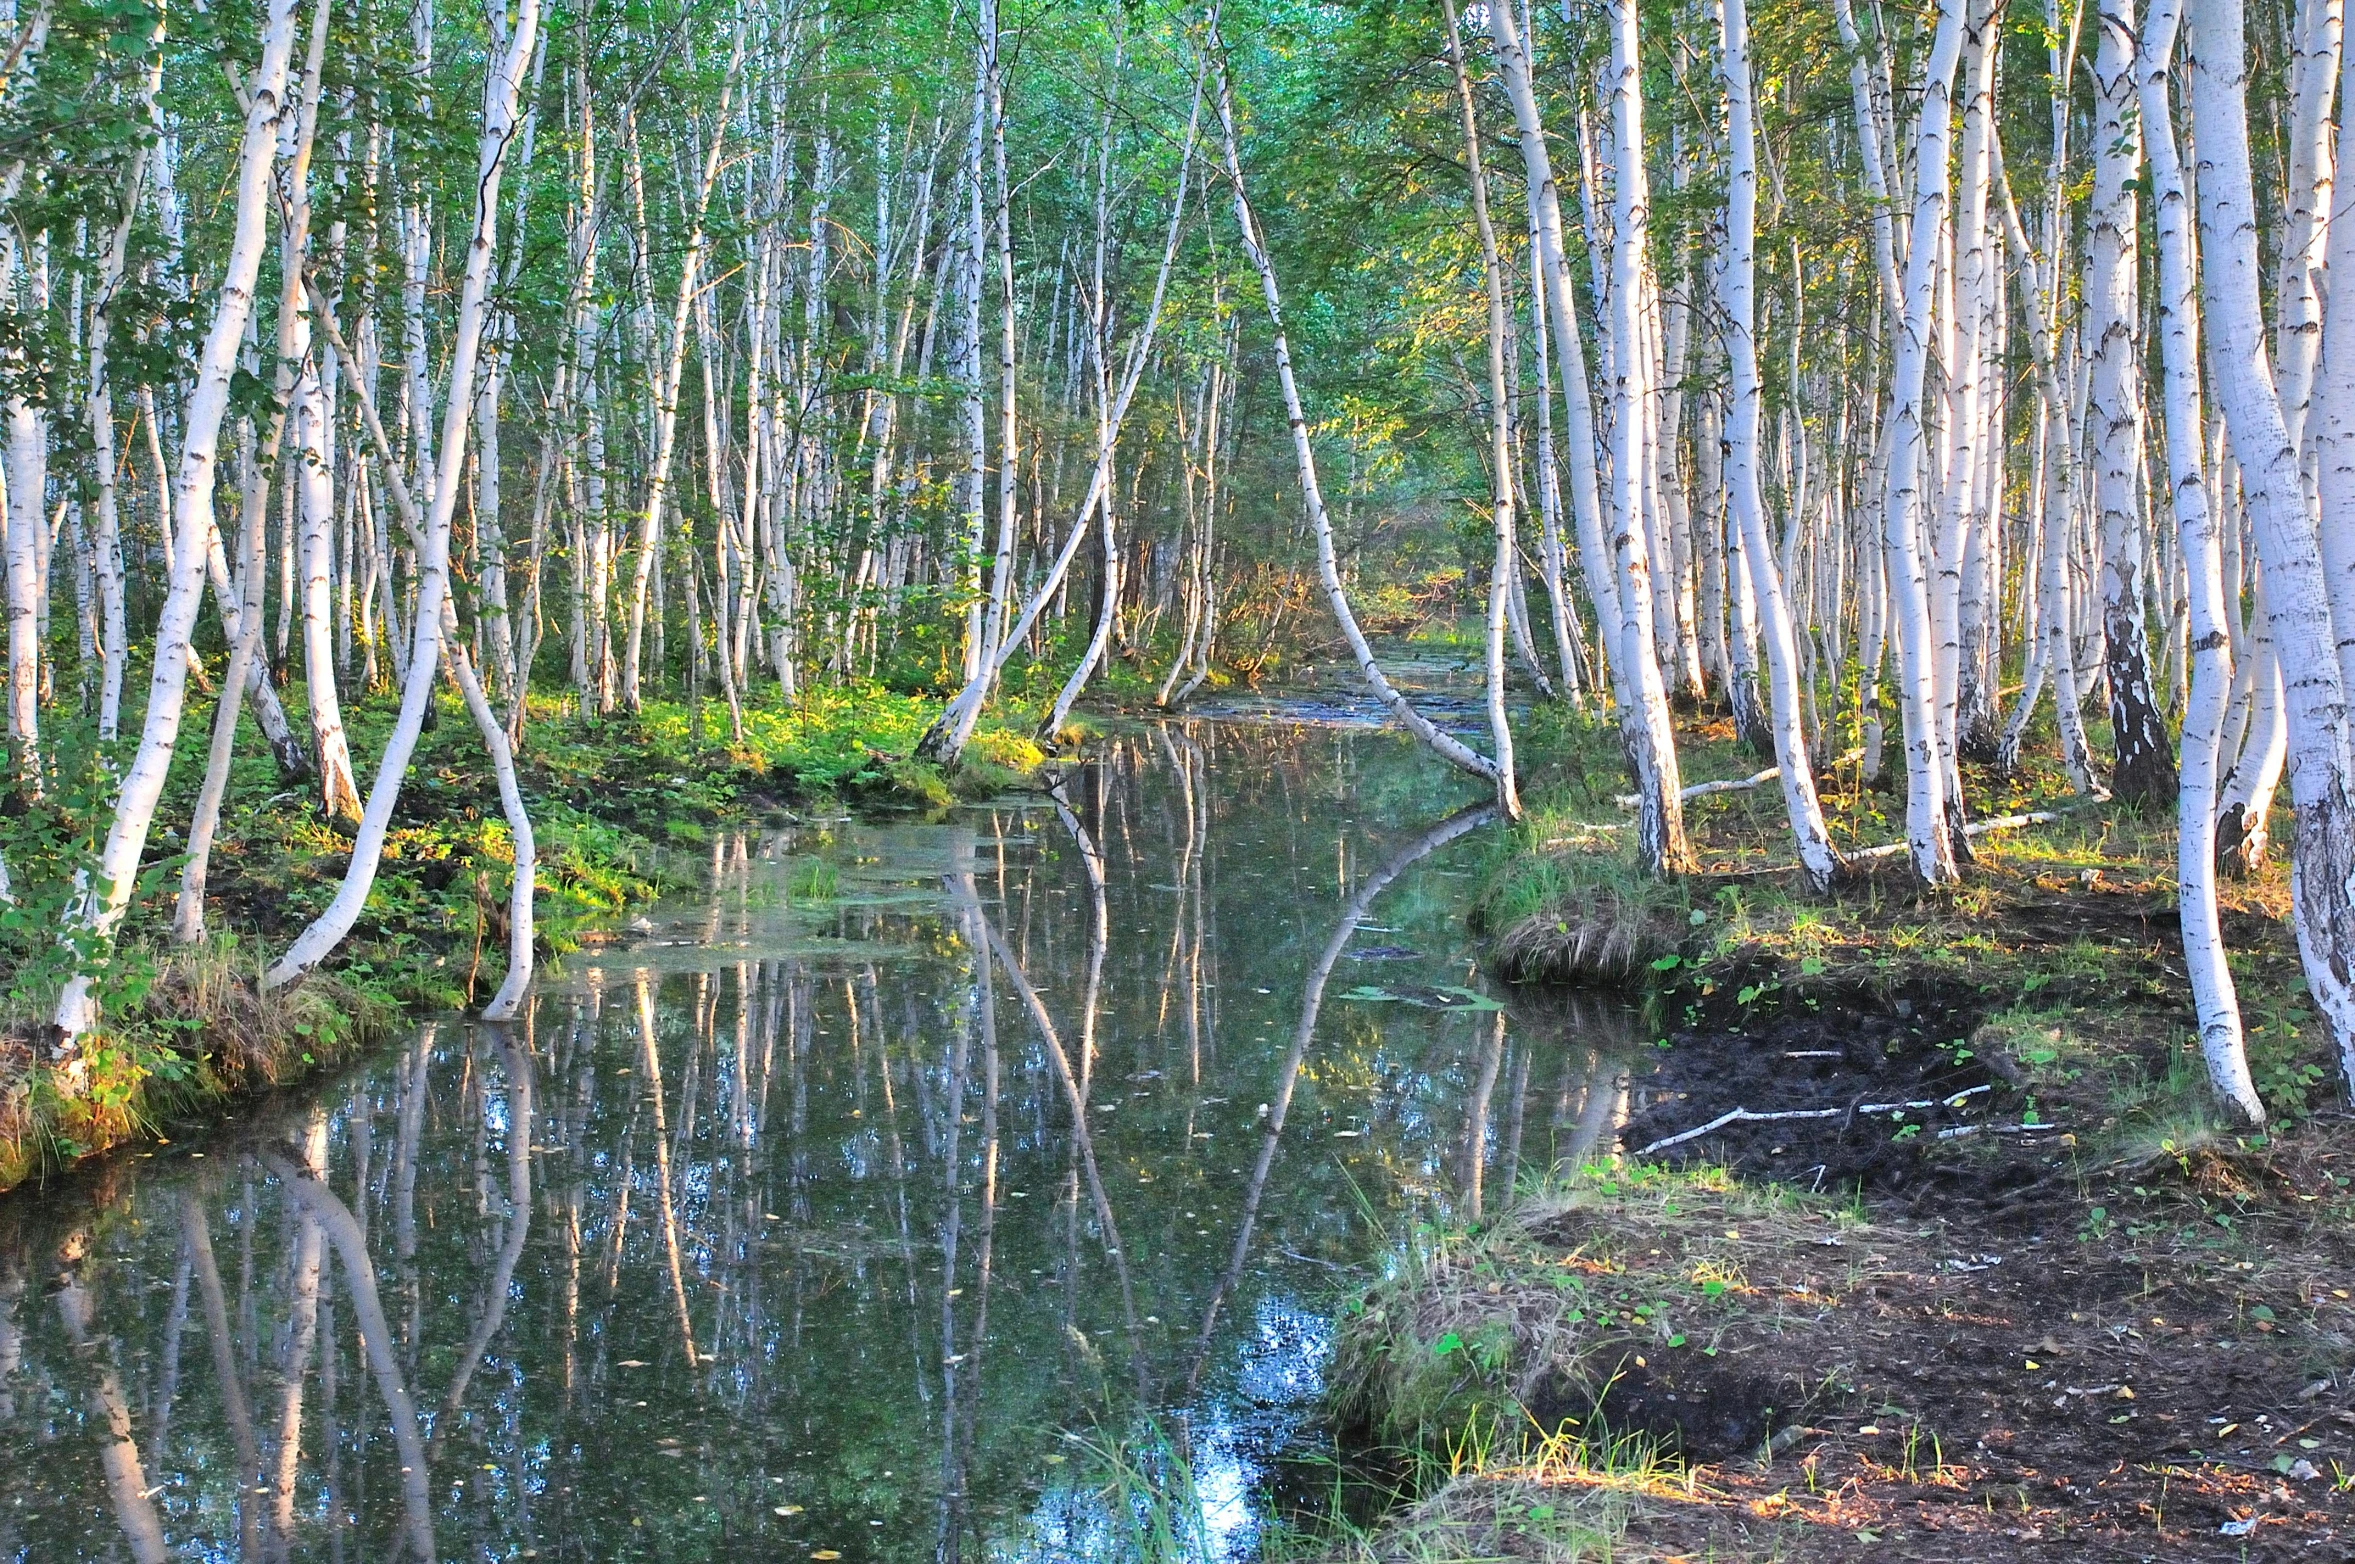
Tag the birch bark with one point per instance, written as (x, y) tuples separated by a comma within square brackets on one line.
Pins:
[(2322, 859), (1448, 747), (2213, 995), (449, 464), (1578, 427), (1646, 731), (1926, 768), (98, 404), (98, 909), (2144, 771), (666, 389), (1817, 857), (1505, 568)]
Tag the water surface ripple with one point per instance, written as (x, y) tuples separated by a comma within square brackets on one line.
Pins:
[(843, 1210)]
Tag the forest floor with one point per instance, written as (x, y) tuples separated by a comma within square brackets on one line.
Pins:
[(620, 806), (1995, 1281)]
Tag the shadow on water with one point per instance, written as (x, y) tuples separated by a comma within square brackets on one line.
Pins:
[(840, 1214)]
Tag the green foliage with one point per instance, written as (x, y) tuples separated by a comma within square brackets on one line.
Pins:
[(51, 845)]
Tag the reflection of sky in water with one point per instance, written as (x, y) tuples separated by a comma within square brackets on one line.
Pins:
[(789, 1201)]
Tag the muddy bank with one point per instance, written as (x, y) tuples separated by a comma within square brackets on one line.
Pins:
[(1881, 1273)]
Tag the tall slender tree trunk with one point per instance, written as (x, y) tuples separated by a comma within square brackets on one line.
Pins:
[(1646, 730), (666, 390), (2213, 994), (433, 549), (1505, 568), (1446, 745), (2144, 771), (1817, 857), (98, 403), (2322, 859), (99, 906), (1925, 766), (1578, 428)]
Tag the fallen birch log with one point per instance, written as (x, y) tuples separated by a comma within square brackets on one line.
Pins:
[(1974, 828), (1746, 1116), (1730, 785)]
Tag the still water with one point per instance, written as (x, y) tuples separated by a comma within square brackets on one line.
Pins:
[(850, 1208)]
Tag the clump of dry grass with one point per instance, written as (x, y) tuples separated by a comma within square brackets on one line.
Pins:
[(1571, 1500), (1494, 1339), (1578, 917), (201, 1031), (249, 1036), (1500, 1515), (1596, 936)]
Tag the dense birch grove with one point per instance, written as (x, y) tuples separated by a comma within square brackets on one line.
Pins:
[(1920, 387)]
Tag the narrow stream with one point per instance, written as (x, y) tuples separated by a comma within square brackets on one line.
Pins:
[(834, 1213)]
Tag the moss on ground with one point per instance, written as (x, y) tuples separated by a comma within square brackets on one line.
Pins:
[(2066, 927), (186, 1029)]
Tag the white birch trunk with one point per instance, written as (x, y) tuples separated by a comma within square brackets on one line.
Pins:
[(498, 124), (99, 907), (2144, 772), (1505, 568), (1647, 734), (2322, 860), (1578, 428), (1909, 602), (2213, 994), (666, 390), (1445, 745), (98, 403), (1817, 857)]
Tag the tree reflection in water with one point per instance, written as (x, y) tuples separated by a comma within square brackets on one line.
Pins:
[(821, 1217)]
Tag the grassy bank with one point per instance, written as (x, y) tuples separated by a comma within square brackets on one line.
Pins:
[(615, 801), (2061, 942), (1694, 1363), (1923, 1240)]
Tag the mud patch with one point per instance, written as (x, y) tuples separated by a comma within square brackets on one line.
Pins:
[(2163, 1370), (1899, 1095), (1697, 1410)]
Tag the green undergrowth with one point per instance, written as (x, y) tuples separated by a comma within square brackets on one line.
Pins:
[(188, 1030), (1485, 1345), (2066, 926), (613, 800)]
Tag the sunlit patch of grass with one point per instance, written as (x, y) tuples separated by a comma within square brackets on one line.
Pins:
[(1580, 916), (1591, 1266), (195, 1028)]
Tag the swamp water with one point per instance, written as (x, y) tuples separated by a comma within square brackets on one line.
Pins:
[(851, 1209)]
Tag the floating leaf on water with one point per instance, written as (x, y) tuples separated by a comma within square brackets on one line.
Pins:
[(1469, 998)]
